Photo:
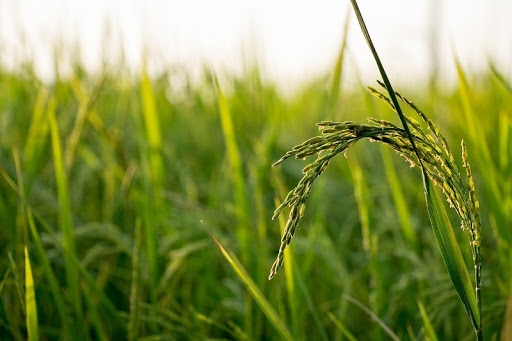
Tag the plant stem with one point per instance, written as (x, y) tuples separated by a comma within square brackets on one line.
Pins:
[(385, 78)]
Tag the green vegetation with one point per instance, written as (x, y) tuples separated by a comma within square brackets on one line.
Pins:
[(428, 151), (113, 183)]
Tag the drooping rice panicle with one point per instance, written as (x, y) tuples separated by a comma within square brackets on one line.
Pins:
[(434, 152)]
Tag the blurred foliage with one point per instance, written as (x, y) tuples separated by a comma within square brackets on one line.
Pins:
[(189, 291)]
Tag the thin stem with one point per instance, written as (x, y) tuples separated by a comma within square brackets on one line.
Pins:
[(478, 264), (385, 78)]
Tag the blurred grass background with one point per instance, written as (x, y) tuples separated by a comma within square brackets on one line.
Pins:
[(112, 182)]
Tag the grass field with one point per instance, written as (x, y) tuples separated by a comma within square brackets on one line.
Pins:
[(115, 190)]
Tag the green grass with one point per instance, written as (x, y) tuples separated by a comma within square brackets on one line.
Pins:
[(112, 212)]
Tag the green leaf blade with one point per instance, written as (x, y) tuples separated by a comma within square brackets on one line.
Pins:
[(30, 301), (451, 253)]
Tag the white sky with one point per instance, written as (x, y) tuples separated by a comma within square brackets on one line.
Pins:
[(292, 40)]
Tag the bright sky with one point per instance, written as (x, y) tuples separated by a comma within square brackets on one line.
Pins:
[(291, 39)]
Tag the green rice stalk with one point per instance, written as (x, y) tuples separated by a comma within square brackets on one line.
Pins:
[(47, 270), (483, 155), (153, 169), (310, 305), (97, 322), (66, 221), (500, 78), (235, 161), (370, 240), (344, 330), (430, 334), (238, 180), (49, 274), (339, 136), (338, 68), (153, 134), (436, 163), (452, 257), (30, 301), (254, 290), (37, 138), (133, 321), (506, 329), (85, 106), (503, 142), (373, 316), (18, 282), (399, 199)]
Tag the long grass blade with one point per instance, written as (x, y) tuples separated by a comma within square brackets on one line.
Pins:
[(430, 334), (235, 161), (344, 330), (500, 78), (49, 274), (338, 68), (133, 321), (41, 254), (399, 199), (239, 188), (373, 316), (452, 256), (37, 137), (153, 134), (66, 221), (506, 329), (254, 290), (30, 301)]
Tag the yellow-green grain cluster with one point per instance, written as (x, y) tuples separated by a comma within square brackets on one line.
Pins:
[(432, 148)]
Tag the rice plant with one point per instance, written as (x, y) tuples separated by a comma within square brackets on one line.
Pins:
[(427, 150)]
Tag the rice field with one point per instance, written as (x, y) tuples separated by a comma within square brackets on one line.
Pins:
[(133, 208)]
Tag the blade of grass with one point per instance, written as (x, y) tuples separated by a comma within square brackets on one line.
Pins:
[(341, 327), (500, 78), (96, 321), (153, 134), (503, 144), (310, 305), (452, 256), (66, 221), (238, 180), (18, 282), (399, 199), (373, 316), (54, 286), (36, 139), (30, 301), (338, 68), (484, 158), (430, 334), (153, 165), (86, 103), (49, 274), (133, 321), (233, 152), (369, 239), (506, 329), (253, 290)]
